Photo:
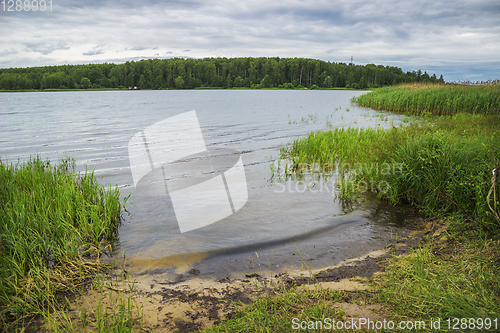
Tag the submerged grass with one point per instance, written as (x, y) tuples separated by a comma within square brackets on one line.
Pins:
[(440, 165), (54, 226), (439, 99)]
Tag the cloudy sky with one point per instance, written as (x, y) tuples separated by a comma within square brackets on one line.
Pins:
[(459, 39)]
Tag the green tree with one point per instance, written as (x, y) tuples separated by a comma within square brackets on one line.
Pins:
[(106, 83), (129, 80), (14, 81), (362, 83), (266, 82), (142, 82), (328, 83), (95, 75), (179, 82), (350, 79), (85, 83), (425, 77), (210, 72), (238, 82), (79, 73)]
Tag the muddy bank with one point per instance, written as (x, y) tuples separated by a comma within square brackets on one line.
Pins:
[(195, 303)]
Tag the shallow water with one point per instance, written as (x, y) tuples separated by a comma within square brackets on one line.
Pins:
[(280, 229)]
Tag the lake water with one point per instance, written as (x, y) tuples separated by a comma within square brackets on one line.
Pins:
[(281, 229)]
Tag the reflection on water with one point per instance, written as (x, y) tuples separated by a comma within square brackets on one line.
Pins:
[(95, 128)]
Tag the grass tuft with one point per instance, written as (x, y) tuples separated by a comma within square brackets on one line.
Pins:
[(455, 278), (54, 226), (284, 311)]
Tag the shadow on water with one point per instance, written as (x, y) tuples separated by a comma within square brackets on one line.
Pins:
[(267, 236)]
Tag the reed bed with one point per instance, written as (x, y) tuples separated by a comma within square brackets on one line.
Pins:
[(436, 99), (54, 226), (442, 166)]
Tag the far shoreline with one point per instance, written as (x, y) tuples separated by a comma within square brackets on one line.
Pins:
[(198, 88)]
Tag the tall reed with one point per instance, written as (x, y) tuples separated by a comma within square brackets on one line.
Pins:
[(442, 165), (54, 225), (437, 99)]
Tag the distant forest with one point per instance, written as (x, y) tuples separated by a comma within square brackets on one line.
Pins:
[(179, 73)]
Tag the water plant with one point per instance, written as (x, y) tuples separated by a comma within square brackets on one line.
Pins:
[(445, 164), (434, 99), (54, 227)]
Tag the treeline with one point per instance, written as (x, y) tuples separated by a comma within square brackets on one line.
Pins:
[(179, 73)]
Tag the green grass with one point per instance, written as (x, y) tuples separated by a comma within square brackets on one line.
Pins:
[(455, 276), (439, 165), (438, 99), (107, 304), (54, 226), (276, 313)]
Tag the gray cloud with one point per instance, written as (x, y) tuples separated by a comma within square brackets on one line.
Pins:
[(46, 48), (142, 48), (8, 52), (93, 52), (457, 38)]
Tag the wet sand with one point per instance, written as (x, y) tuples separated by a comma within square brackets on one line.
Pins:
[(195, 302), (372, 226)]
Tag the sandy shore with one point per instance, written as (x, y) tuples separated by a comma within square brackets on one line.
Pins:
[(196, 303)]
